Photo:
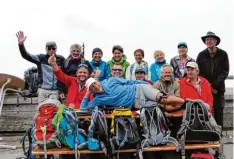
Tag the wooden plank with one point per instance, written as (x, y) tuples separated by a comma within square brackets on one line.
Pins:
[(65, 150)]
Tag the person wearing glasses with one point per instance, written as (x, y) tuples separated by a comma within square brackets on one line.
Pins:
[(48, 84), (117, 71), (98, 64), (76, 85), (119, 58)]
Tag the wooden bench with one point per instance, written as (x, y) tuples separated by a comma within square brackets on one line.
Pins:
[(67, 151)]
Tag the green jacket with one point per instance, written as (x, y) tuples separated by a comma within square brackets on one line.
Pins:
[(123, 62)]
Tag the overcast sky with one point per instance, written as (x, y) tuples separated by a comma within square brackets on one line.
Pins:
[(149, 25)]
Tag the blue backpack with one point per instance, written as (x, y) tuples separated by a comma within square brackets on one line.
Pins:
[(66, 124)]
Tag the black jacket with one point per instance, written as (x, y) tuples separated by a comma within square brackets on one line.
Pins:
[(215, 69), (70, 66)]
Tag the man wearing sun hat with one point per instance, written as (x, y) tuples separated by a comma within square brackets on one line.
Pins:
[(213, 64)]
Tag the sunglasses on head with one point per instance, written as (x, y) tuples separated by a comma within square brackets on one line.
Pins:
[(82, 65), (119, 70), (51, 48)]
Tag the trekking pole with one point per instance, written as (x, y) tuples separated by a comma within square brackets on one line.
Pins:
[(183, 147)]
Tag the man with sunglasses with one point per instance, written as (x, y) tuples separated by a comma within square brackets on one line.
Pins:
[(48, 84), (76, 85)]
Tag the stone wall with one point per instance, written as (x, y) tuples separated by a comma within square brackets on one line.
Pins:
[(18, 112)]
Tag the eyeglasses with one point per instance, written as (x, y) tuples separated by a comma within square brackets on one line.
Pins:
[(119, 70), (51, 48)]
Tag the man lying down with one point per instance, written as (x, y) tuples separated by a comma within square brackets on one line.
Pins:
[(130, 94)]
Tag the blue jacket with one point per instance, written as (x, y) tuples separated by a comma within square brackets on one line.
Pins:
[(103, 67), (117, 92), (155, 70)]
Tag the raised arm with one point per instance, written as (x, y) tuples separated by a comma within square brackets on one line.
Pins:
[(62, 77), (27, 56)]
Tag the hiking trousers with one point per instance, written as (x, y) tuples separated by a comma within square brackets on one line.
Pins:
[(218, 107), (144, 93)]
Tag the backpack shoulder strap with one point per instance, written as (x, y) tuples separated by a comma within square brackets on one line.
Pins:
[(186, 118), (131, 68), (101, 118), (92, 124), (120, 122)]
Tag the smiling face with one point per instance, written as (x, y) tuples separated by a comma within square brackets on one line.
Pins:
[(97, 56), (117, 55), (117, 71), (182, 50), (138, 57), (96, 87), (75, 52), (210, 42), (159, 55), (82, 74), (167, 73), (140, 76)]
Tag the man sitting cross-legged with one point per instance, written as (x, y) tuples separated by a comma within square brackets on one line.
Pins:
[(126, 93)]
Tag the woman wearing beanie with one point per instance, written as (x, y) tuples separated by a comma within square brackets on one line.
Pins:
[(98, 64), (119, 58), (155, 68)]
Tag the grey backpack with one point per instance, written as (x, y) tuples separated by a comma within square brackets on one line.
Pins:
[(155, 129), (196, 126)]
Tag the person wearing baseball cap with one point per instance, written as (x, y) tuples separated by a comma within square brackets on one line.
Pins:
[(179, 62), (140, 75), (48, 84), (213, 64), (194, 86), (119, 92)]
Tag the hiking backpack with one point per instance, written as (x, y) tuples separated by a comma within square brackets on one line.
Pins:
[(123, 129), (66, 124), (31, 82), (155, 129), (42, 134), (98, 131), (196, 126)]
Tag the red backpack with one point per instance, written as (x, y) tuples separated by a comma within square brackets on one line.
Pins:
[(44, 133)]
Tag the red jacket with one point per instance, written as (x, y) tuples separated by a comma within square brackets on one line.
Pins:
[(74, 95), (187, 90)]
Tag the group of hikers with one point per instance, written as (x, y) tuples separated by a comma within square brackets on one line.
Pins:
[(117, 83)]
